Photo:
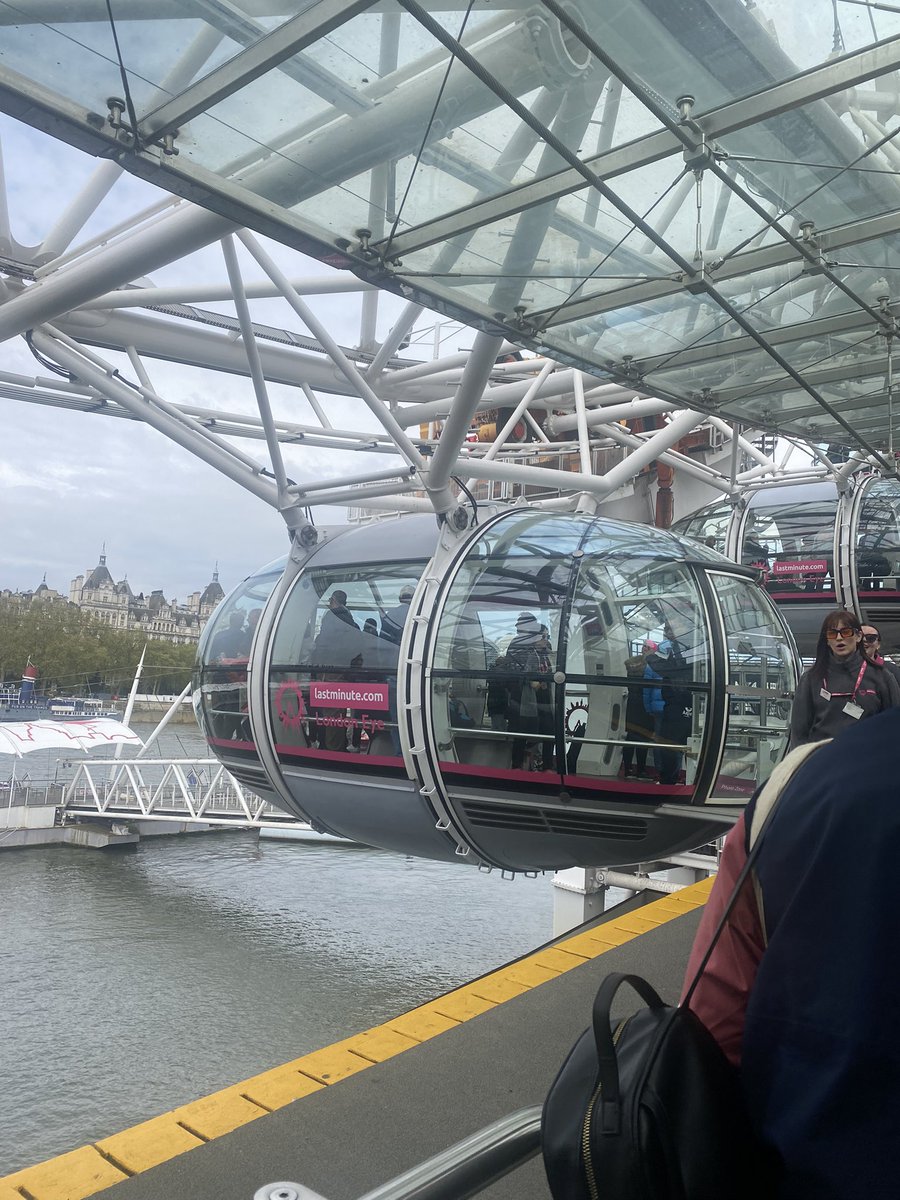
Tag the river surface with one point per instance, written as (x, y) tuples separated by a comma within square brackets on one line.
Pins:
[(134, 981)]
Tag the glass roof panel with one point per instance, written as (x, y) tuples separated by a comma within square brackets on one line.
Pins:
[(828, 162), (153, 51), (361, 132), (815, 30), (76, 62), (720, 52)]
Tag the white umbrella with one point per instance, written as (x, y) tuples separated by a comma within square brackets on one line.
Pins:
[(22, 737)]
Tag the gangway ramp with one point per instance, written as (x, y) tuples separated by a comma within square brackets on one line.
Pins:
[(187, 790)]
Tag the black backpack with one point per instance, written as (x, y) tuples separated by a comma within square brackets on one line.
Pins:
[(653, 1110), (650, 1110)]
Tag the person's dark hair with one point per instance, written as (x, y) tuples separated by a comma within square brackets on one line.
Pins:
[(340, 596), (833, 620)]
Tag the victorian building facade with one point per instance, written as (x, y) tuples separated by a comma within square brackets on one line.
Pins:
[(153, 616)]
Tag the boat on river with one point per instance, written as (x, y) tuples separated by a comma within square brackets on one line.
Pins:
[(62, 708), (25, 704)]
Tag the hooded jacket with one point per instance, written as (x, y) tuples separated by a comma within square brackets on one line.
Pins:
[(801, 989)]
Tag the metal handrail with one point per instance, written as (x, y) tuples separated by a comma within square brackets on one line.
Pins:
[(460, 1171)]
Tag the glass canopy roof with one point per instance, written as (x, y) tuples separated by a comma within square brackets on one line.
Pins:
[(698, 198)]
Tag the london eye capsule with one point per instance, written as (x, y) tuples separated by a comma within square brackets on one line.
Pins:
[(544, 691), (817, 548)]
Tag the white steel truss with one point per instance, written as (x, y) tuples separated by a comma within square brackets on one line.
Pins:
[(195, 791), (717, 246)]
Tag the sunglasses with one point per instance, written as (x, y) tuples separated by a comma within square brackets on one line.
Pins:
[(844, 632), (871, 637)]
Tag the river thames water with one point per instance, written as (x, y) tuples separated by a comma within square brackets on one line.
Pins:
[(131, 982)]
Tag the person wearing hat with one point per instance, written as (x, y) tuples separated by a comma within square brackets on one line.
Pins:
[(524, 664)]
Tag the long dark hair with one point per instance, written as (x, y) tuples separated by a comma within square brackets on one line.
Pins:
[(835, 619)]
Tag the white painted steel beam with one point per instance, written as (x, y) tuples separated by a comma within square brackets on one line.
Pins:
[(375, 405), (129, 399), (194, 345), (603, 414), (391, 344), (193, 293), (518, 412), (256, 372), (595, 485), (79, 210), (184, 231), (465, 404), (393, 474), (673, 458), (142, 220), (584, 446), (238, 425)]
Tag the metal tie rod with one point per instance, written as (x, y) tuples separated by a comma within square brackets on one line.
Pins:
[(456, 1173)]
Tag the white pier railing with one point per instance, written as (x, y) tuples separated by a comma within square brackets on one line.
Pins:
[(177, 789)]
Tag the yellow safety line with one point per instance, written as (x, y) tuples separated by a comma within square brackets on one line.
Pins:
[(90, 1169)]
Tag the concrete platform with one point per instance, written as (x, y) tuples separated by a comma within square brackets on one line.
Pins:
[(347, 1118), (91, 837)]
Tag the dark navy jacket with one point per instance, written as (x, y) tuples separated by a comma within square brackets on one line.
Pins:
[(820, 1055)]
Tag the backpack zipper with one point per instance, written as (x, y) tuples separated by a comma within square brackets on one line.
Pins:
[(586, 1129)]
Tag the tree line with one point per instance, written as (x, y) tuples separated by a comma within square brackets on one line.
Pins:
[(75, 654)]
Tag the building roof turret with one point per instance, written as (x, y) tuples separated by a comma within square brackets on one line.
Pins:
[(213, 591), (100, 574)]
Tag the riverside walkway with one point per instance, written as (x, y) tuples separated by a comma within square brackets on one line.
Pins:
[(347, 1118)]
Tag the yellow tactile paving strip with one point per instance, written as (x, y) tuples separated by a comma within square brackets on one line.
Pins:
[(90, 1169)]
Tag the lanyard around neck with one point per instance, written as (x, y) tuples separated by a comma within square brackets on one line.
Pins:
[(852, 695)]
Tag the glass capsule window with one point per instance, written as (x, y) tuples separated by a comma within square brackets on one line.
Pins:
[(762, 677), (878, 541), (709, 527), (497, 643), (220, 680), (570, 650), (636, 649), (793, 545), (333, 673)]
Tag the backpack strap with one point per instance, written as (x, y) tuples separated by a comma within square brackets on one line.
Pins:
[(605, 1041), (770, 793), (765, 809)]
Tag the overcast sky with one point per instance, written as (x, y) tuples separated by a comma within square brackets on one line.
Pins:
[(71, 482)]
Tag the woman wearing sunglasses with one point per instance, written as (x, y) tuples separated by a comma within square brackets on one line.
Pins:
[(871, 644), (842, 686)]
